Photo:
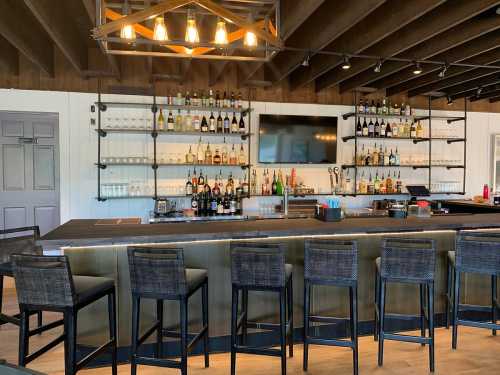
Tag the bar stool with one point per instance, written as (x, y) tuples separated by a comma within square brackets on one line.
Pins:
[(45, 283), (332, 263), (160, 274), (479, 253), (24, 244), (257, 266), (407, 261)]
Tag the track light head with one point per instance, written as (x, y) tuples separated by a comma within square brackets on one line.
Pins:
[(449, 99), (479, 91), (378, 67), (417, 69), (306, 61), (346, 64), (442, 72)]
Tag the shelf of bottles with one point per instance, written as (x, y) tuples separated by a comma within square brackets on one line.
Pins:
[(217, 123), (376, 124)]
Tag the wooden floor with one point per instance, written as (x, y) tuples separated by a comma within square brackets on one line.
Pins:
[(478, 353)]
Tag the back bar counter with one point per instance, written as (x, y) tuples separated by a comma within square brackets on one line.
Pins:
[(96, 249)]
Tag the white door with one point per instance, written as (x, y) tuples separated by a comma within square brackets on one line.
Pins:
[(29, 170)]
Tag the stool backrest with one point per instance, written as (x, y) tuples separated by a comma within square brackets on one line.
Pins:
[(157, 272), (478, 252), (408, 260), (19, 244), (331, 261), (43, 280), (258, 264)]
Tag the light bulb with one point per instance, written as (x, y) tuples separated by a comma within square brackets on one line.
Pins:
[(221, 33), (250, 39), (417, 69), (127, 32), (160, 31), (192, 35)]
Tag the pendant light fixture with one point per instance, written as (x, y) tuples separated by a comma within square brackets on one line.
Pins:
[(127, 31), (417, 69), (221, 33), (378, 67), (250, 39), (192, 35), (346, 64), (160, 30)]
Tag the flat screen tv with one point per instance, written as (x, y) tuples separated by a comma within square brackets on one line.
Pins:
[(297, 139)]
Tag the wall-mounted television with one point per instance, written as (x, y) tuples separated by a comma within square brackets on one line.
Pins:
[(297, 139)]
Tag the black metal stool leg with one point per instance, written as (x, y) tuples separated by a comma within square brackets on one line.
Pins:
[(456, 302), (307, 303), (234, 322), (159, 334), (244, 308), (39, 319), (112, 331), (289, 294), (283, 329), (449, 284), (494, 302), (204, 303), (422, 288), (377, 305), (70, 324), (136, 311), (353, 298), (23, 337), (184, 334), (430, 305), (381, 322)]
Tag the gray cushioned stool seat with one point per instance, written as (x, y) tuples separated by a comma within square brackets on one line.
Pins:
[(88, 286), (195, 277)]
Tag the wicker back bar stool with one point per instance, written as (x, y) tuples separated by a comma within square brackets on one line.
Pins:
[(21, 243), (479, 253), (160, 274), (333, 263), (407, 261), (257, 266), (45, 283)]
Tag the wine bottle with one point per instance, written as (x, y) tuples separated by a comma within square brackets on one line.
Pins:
[(376, 132), (217, 158), (226, 124), (242, 158), (225, 155), (161, 121), (204, 125), (220, 126), (359, 130), (241, 125), (365, 128), (371, 129), (383, 129), (274, 185), (208, 155), (178, 121), (211, 121), (413, 130), (234, 124), (170, 122), (189, 185), (194, 182)]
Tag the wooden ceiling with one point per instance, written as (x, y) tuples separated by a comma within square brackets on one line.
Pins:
[(467, 32)]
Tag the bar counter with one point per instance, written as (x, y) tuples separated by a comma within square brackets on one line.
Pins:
[(100, 250)]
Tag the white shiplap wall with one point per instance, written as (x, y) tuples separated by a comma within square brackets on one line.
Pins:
[(78, 150)]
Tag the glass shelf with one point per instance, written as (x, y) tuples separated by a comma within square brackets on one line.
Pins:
[(348, 166), (172, 107), (165, 133), (415, 140)]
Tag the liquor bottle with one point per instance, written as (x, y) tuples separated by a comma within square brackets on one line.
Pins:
[(194, 204), (365, 128), (201, 205), (230, 184), (233, 160), (217, 99), (206, 187), (369, 186), (383, 129), (397, 159), (407, 129), (362, 184), (371, 129), (279, 183), (379, 108), (189, 185), (274, 184), (359, 129), (194, 182), (187, 99), (201, 180), (241, 125), (419, 130), (170, 122), (161, 121), (217, 158), (381, 156), (384, 106), (220, 206), (221, 182), (233, 100), (204, 125), (242, 158), (196, 123), (392, 158), (208, 155), (216, 189), (227, 208), (211, 122), (178, 121), (367, 107), (211, 101), (373, 108), (232, 204), (376, 184), (190, 156), (195, 100), (253, 182), (220, 126), (402, 109), (234, 124), (382, 189), (388, 184), (361, 106), (368, 158), (245, 185), (226, 124), (224, 153), (224, 100), (213, 205), (376, 132), (407, 110), (375, 156), (240, 100), (399, 184), (388, 130), (413, 130), (386, 157), (200, 153), (360, 160), (188, 122), (203, 99)]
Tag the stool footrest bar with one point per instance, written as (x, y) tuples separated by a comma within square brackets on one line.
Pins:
[(406, 338), (158, 362), (470, 323), (83, 362), (148, 333), (259, 351), (330, 342)]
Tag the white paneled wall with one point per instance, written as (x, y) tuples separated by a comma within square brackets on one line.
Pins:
[(78, 151)]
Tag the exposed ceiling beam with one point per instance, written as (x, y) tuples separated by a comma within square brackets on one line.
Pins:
[(31, 40), (62, 31), (319, 30), (483, 81), (434, 23), (363, 35), (9, 58), (458, 43), (456, 74), (473, 92), (293, 14), (495, 99), (489, 94)]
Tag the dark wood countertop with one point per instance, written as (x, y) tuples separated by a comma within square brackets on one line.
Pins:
[(86, 233), (471, 203)]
